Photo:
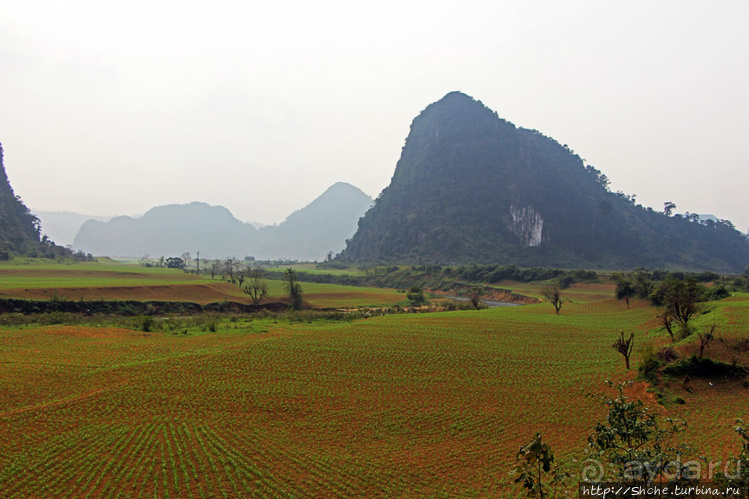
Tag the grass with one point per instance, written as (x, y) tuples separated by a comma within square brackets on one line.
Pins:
[(338, 296), (311, 268), (82, 275)]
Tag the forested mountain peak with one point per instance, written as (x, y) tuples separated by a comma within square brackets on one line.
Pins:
[(471, 187)]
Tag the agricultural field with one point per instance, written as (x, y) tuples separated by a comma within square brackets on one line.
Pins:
[(408, 405), (118, 281), (576, 293), (337, 295)]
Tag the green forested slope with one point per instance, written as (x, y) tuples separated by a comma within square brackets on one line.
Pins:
[(473, 188)]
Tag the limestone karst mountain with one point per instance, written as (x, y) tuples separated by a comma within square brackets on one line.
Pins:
[(471, 187)]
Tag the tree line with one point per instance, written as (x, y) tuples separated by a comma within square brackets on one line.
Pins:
[(251, 279)]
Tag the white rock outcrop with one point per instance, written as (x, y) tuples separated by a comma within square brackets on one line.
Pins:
[(527, 224)]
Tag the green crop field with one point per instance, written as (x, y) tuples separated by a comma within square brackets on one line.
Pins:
[(114, 281), (409, 405), (312, 268), (338, 296)]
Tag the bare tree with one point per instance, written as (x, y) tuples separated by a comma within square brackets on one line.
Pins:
[(231, 268), (294, 289), (706, 337), (242, 275), (667, 322), (256, 287), (187, 258), (474, 295), (553, 296), (215, 268), (625, 347)]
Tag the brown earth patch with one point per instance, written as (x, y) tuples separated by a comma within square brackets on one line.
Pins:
[(195, 293), (91, 332), (99, 274)]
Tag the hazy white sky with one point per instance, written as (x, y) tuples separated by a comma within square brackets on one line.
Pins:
[(116, 107)]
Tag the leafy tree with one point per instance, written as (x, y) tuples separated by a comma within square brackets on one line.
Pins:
[(416, 296), (668, 208), (635, 442), (256, 287), (625, 289), (553, 296), (680, 299), (640, 279), (294, 289), (625, 346), (174, 262)]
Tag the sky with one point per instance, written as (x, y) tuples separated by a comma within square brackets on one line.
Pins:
[(112, 108)]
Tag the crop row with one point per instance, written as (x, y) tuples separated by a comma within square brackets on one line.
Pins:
[(403, 405)]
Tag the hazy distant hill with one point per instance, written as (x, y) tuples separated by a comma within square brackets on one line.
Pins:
[(317, 229), (169, 231), (62, 226), (19, 229), (471, 187), (307, 234)]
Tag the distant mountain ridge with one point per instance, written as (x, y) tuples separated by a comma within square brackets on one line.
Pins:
[(62, 226), (470, 187), (319, 228), (308, 234), (168, 230)]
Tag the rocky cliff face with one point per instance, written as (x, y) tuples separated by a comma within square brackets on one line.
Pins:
[(527, 224)]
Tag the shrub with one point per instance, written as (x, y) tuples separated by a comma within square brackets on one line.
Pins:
[(667, 354), (534, 462), (706, 367), (649, 363), (631, 433), (416, 296), (717, 292), (146, 324)]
